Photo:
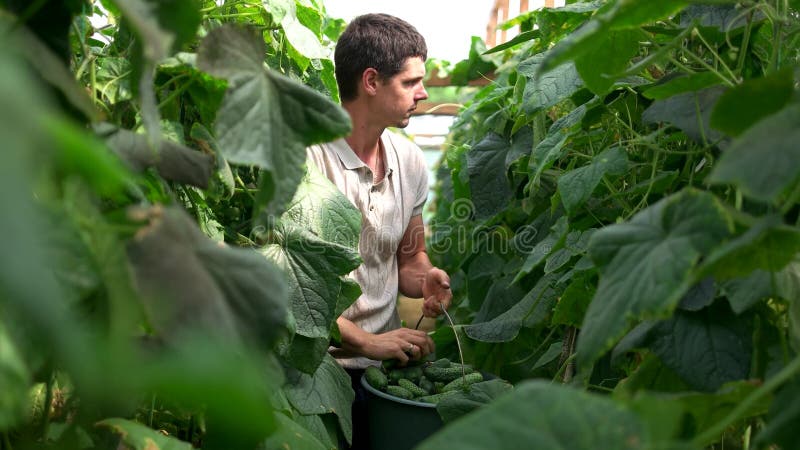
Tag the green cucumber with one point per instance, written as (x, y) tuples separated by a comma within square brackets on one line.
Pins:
[(413, 388), (462, 382), (376, 378), (399, 391), (428, 385), (396, 374), (446, 374), (442, 362)]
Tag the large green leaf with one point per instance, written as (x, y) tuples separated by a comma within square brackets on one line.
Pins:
[(574, 419), (327, 391), (300, 36), (745, 292), (646, 265), (490, 188), (706, 348), (764, 161), (173, 161), (291, 435), (618, 15), (29, 291), (768, 245), (318, 206), (140, 437), (528, 312), (15, 378), (231, 292), (266, 119), (544, 247), (466, 401), (747, 103), (690, 112), (545, 90), (610, 57), (577, 185), (313, 267)]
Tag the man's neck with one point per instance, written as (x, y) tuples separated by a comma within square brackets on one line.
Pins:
[(365, 137)]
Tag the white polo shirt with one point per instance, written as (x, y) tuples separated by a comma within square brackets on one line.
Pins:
[(386, 208)]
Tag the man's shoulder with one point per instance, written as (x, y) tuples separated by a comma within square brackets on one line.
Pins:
[(407, 151)]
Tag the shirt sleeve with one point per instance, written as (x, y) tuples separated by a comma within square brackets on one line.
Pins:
[(421, 175)]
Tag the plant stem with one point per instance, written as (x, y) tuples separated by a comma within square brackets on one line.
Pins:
[(6, 442), (792, 200), (708, 67), (152, 411), (716, 55), (48, 400), (764, 390)]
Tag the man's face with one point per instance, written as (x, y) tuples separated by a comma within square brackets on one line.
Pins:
[(398, 95)]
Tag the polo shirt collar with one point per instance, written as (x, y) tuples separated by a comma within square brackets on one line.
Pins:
[(351, 161)]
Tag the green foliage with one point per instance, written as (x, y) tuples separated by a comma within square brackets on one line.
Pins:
[(144, 190), (621, 206)]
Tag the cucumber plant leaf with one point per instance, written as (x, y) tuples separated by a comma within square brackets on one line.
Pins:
[(475, 396), (266, 119), (292, 435), (16, 378), (747, 103), (768, 245), (313, 267), (690, 112), (551, 148), (764, 161), (141, 437), (173, 161), (544, 90), (598, 67), (577, 185), (315, 242), (707, 348), (646, 265), (576, 420), (531, 310), (327, 391), (485, 160), (230, 292)]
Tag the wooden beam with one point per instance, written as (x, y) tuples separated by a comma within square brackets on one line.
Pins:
[(436, 109), (434, 80)]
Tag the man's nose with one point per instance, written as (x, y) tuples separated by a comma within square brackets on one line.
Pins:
[(422, 94)]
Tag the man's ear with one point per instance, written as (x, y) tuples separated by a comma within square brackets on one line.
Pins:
[(370, 79)]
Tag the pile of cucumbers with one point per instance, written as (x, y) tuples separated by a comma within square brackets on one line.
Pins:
[(426, 382)]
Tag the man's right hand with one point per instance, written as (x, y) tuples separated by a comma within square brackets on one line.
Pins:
[(403, 344)]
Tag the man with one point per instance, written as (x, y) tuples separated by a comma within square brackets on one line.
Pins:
[(380, 64)]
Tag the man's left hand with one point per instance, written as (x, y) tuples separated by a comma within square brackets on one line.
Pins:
[(436, 291)]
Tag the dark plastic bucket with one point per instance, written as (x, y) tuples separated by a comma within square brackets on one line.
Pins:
[(396, 423)]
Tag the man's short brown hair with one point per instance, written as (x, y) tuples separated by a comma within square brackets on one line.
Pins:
[(379, 41)]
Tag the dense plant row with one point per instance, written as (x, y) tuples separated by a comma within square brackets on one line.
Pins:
[(173, 273), (619, 213)]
